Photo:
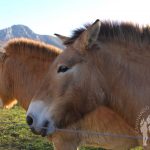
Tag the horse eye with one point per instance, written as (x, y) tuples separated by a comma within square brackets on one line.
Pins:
[(62, 69)]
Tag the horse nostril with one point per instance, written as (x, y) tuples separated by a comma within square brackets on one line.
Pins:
[(29, 120)]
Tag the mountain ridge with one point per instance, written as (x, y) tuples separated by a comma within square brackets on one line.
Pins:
[(18, 31)]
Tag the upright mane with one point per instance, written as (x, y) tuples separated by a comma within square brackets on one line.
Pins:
[(31, 48), (125, 32)]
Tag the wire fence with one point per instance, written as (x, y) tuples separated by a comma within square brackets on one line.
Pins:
[(86, 132), (20, 123)]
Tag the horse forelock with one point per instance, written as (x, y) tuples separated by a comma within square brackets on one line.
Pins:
[(31, 48), (126, 32)]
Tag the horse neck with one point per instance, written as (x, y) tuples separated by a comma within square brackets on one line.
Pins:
[(126, 80), (27, 75)]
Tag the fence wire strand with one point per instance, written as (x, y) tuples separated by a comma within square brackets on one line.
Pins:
[(83, 132)]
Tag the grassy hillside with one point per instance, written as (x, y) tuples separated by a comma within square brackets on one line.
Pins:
[(13, 137)]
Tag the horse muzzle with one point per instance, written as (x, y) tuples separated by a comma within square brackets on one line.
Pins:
[(39, 118), (42, 128)]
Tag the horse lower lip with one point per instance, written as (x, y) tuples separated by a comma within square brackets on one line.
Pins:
[(44, 129), (43, 132)]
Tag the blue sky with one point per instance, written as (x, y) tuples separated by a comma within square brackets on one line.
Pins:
[(62, 16)]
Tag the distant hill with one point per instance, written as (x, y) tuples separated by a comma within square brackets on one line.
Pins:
[(17, 31)]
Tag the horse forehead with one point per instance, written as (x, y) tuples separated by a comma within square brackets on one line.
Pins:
[(68, 53), (70, 57)]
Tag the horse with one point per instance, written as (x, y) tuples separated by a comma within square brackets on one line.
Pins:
[(104, 64), (23, 65)]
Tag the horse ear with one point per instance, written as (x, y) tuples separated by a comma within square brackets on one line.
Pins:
[(62, 38), (93, 32), (89, 36)]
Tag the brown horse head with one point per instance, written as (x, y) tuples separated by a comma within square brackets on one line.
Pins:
[(103, 64), (66, 99)]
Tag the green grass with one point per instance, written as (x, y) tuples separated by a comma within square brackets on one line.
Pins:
[(13, 137)]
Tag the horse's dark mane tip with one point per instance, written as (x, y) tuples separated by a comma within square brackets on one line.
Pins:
[(126, 32), (31, 48)]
